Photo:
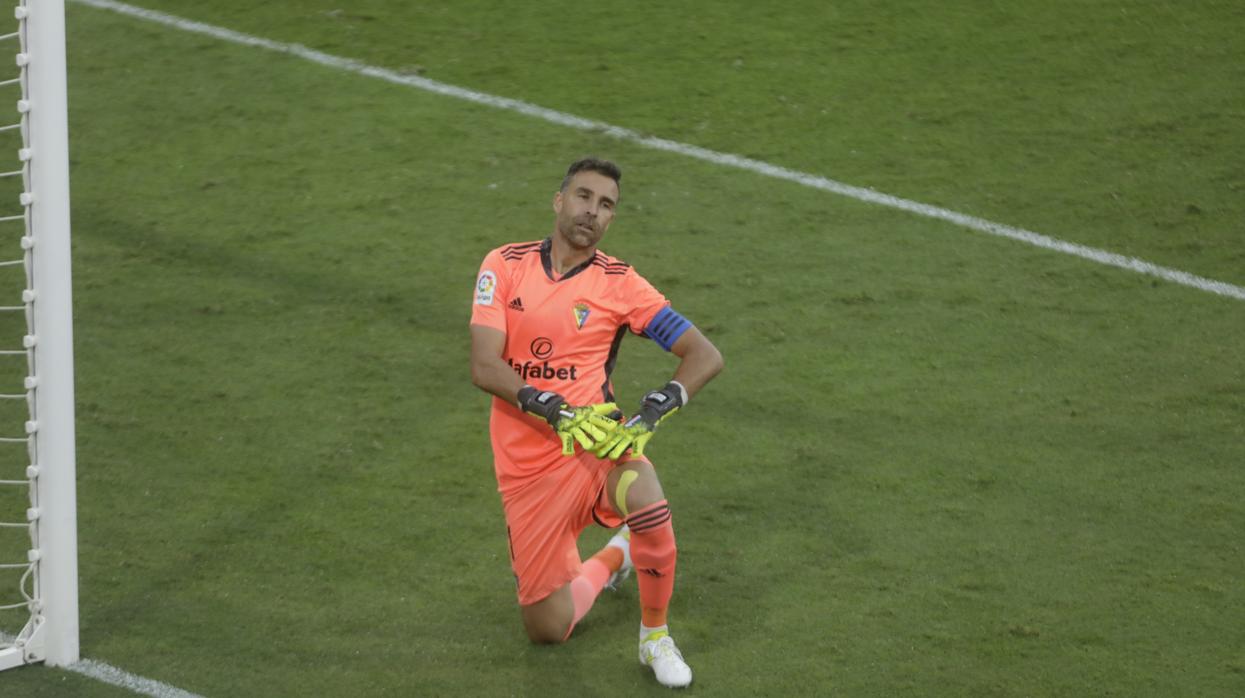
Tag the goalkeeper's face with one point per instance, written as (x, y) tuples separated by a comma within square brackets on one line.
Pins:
[(585, 208)]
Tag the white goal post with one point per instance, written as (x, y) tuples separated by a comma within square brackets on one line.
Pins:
[(48, 587)]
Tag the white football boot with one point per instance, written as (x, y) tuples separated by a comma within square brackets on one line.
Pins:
[(622, 541), (658, 651)]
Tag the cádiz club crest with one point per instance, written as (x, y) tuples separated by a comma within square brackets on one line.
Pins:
[(581, 315)]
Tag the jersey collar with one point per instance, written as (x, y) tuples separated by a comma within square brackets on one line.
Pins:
[(546, 260)]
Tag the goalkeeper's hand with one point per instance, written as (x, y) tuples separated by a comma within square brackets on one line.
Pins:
[(635, 433), (590, 426), (587, 425)]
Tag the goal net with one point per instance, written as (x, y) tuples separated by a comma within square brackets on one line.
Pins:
[(38, 529)]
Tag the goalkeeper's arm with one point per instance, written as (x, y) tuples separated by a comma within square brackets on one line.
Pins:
[(488, 371), (699, 362), (586, 425)]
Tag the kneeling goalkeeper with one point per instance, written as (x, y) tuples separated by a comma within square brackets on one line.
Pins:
[(546, 323)]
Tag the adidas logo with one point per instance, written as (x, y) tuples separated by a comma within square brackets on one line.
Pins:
[(517, 304)]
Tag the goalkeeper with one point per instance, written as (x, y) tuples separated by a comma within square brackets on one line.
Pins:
[(546, 323)]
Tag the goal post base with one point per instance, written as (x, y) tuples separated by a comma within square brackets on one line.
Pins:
[(26, 648)]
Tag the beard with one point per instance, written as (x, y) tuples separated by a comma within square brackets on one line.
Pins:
[(581, 233)]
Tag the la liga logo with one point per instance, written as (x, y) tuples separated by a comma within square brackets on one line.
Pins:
[(486, 286)]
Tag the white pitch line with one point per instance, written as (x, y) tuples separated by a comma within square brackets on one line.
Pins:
[(756, 166), (112, 675)]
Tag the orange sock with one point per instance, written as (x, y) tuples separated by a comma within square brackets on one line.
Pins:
[(653, 553), (611, 556), (596, 572)]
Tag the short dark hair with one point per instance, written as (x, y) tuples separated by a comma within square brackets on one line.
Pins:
[(597, 165)]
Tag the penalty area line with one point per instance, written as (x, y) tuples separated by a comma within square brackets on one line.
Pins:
[(871, 196)]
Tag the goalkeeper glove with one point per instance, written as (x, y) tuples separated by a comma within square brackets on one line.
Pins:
[(635, 433), (587, 425)]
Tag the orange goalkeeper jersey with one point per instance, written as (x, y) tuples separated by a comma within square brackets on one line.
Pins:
[(562, 334)]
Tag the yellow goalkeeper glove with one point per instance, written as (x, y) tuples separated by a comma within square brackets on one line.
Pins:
[(588, 425), (635, 433)]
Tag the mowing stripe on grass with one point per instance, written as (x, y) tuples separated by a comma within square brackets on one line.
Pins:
[(726, 159)]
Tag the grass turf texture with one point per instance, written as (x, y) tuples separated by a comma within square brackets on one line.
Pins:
[(938, 463)]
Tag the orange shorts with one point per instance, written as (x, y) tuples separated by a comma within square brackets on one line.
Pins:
[(545, 517)]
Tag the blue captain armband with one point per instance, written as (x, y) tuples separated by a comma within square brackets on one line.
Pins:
[(666, 327)]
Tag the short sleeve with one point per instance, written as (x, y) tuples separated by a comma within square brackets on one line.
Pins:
[(488, 306), (644, 301)]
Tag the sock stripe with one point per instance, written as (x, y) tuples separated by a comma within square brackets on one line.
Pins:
[(649, 518), (652, 512), (648, 527)]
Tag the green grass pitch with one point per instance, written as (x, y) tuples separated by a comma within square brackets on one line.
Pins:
[(938, 463)]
